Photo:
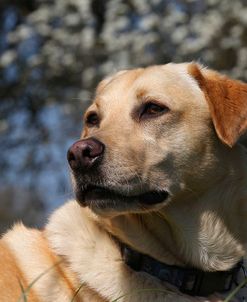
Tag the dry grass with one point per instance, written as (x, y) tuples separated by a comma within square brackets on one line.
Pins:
[(25, 291)]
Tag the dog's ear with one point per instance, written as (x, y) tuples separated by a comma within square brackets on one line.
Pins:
[(227, 101)]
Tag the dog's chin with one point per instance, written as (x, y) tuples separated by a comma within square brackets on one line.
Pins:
[(107, 202)]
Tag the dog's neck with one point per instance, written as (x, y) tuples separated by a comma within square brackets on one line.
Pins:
[(204, 229)]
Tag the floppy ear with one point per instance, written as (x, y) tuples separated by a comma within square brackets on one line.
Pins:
[(227, 101)]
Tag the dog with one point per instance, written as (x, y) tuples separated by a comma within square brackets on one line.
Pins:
[(161, 189)]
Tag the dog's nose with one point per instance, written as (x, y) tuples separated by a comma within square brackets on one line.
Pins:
[(84, 153)]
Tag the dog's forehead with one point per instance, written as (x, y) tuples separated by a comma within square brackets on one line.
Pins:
[(171, 80)]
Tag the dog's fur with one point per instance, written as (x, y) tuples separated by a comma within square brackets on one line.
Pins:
[(191, 151)]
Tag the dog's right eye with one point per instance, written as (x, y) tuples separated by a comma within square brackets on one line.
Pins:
[(152, 109), (92, 119)]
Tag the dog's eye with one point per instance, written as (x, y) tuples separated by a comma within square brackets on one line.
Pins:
[(152, 109), (92, 119)]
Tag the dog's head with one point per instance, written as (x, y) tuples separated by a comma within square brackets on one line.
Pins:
[(152, 134)]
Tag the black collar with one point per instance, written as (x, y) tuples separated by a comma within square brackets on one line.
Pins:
[(190, 281)]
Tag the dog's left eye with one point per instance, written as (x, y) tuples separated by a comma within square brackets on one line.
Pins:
[(92, 119), (152, 109)]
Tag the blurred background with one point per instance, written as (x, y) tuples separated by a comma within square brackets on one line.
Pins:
[(53, 53)]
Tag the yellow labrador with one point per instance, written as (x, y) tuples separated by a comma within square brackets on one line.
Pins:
[(161, 189)]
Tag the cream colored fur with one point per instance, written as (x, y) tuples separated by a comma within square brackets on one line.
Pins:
[(202, 224)]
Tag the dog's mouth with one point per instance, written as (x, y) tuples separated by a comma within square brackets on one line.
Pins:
[(104, 197)]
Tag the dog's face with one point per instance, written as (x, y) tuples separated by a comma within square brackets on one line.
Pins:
[(148, 137)]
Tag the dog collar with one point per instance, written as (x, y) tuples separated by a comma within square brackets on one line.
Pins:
[(190, 281)]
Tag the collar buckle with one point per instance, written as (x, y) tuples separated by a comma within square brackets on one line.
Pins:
[(199, 283)]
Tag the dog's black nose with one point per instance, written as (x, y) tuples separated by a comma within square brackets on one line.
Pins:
[(84, 153)]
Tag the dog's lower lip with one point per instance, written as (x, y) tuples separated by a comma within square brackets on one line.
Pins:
[(92, 193)]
